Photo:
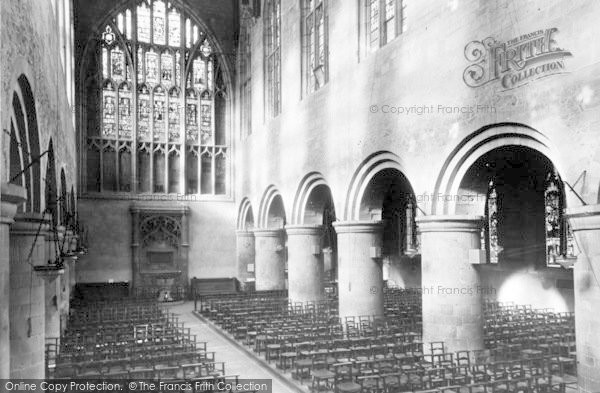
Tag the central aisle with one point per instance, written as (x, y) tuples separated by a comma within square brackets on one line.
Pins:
[(237, 362)]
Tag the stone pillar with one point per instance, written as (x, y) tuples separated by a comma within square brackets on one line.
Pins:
[(54, 238), (452, 292), (27, 296), (305, 263), (360, 276), (52, 289), (585, 222), (10, 197), (245, 249), (270, 259)]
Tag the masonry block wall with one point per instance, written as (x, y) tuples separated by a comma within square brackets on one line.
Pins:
[(334, 129), (30, 39)]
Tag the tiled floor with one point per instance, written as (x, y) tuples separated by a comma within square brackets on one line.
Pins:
[(237, 361)]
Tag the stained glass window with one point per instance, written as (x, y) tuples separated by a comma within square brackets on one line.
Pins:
[(315, 44), (559, 238), (125, 111), (493, 248), (151, 127), (174, 28), (273, 56), (159, 23)]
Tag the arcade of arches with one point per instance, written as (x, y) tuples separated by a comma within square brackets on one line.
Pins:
[(158, 152)]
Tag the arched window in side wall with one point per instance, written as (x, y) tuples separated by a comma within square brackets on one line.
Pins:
[(273, 57), (24, 150), (160, 90), (558, 236), (51, 189)]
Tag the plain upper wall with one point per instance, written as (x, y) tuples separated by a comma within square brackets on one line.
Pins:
[(29, 43), (333, 130)]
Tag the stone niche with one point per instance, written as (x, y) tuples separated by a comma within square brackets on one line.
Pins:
[(160, 251)]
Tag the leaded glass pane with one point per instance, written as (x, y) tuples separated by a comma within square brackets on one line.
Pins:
[(206, 118), (188, 33), (177, 68), (140, 65), (105, 63), (125, 111), (492, 207), (160, 15), (191, 118), (144, 113), (174, 108), (553, 219), (390, 21), (128, 24), (108, 111), (151, 67), (117, 58), (159, 114), (143, 23), (199, 74), (210, 75), (374, 23), (174, 28), (166, 65)]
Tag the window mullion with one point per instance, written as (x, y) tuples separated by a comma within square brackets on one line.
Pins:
[(134, 101), (182, 109)]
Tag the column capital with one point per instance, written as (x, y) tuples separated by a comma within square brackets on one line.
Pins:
[(30, 224), (315, 230), (358, 226), (584, 218), (244, 233), (450, 223), (274, 232), (11, 195)]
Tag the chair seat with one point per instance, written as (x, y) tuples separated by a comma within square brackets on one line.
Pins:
[(349, 387), (322, 373)]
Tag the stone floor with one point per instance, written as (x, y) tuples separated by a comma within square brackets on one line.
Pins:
[(237, 361)]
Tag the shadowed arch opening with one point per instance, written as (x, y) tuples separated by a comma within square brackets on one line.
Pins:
[(314, 205), (520, 192), (470, 149)]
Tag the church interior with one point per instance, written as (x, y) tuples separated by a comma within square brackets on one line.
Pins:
[(368, 196)]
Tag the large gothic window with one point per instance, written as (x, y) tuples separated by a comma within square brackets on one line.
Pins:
[(156, 106)]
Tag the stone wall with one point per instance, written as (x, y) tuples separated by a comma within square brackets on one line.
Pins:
[(333, 130), (211, 236), (29, 38), (409, 98)]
